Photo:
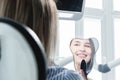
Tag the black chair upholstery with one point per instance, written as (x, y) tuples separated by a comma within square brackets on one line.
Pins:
[(22, 56)]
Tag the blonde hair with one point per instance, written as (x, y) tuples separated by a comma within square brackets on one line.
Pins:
[(39, 15)]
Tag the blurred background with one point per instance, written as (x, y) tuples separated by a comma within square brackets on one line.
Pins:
[(99, 19)]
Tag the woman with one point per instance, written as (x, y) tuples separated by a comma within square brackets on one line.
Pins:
[(83, 49), (40, 16)]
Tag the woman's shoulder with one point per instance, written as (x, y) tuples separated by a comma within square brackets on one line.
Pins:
[(61, 73)]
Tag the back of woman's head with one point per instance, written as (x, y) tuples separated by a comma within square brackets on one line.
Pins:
[(39, 15)]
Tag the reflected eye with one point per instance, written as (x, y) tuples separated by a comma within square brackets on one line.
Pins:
[(87, 46), (76, 44)]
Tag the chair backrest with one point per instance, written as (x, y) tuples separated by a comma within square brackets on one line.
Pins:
[(22, 56)]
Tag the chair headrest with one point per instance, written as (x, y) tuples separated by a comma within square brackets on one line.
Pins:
[(22, 56)]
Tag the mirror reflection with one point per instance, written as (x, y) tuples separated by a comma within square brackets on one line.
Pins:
[(83, 49)]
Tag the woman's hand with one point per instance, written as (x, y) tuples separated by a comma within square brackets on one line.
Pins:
[(84, 77)]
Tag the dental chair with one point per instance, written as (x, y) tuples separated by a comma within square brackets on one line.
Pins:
[(22, 56)]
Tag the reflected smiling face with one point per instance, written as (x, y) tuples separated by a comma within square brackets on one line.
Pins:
[(81, 49)]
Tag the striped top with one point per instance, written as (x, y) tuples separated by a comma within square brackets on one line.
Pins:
[(60, 73)]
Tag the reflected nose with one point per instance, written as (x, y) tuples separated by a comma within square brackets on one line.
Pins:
[(82, 48)]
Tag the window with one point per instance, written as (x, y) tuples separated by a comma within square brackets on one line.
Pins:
[(117, 45), (94, 4), (67, 32), (116, 5)]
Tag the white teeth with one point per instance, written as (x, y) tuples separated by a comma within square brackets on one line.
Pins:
[(81, 55)]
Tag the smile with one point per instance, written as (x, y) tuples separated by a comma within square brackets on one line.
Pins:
[(81, 55)]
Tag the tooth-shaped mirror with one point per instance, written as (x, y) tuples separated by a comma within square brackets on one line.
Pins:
[(84, 49)]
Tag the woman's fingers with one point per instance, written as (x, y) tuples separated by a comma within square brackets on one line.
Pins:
[(84, 77)]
